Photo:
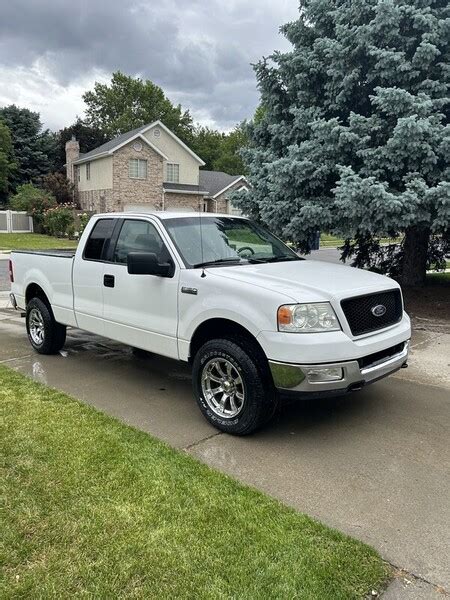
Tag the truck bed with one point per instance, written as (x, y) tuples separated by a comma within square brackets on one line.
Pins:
[(54, 276), (63, 253)]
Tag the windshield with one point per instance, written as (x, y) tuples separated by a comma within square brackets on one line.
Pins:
[(225, 240)]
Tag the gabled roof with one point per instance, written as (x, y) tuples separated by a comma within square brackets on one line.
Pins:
[(216, 182), (109, 147)]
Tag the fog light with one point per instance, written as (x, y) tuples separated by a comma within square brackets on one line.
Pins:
[(324, 374)]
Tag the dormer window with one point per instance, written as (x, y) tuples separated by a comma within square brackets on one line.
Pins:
[(173, 173)]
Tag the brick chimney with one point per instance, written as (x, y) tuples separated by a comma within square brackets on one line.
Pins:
[(72, 153)]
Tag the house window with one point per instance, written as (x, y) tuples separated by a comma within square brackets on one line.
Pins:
[(137, 168), (78, 170), (88, 171), (173, 173)]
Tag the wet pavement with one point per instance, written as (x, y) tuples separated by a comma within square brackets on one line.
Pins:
[(374, 464)]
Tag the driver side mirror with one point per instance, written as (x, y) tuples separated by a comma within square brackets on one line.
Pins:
[(146, 263)]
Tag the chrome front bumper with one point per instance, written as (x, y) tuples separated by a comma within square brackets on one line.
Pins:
[(294, 378)]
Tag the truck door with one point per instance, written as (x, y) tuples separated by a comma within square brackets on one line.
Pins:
[(88, 277), (141, 310)]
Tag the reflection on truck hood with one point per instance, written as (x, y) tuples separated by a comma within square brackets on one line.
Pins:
[(307, 280)]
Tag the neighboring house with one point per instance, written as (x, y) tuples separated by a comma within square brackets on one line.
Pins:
[(149, 166)]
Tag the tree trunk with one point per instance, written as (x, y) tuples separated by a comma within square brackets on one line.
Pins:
[(415, 247)]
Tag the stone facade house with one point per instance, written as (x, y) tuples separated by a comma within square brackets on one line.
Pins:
[(148, 167)]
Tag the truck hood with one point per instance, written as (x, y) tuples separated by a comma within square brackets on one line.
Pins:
[(307, 280)]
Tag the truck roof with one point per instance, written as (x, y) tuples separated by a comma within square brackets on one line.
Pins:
[(161, 214)]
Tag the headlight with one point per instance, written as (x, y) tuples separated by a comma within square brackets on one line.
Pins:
[(307, 318)]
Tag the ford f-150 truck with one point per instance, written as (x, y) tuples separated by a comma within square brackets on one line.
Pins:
[(255, 320)]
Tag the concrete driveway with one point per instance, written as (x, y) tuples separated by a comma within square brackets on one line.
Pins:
[(4, 275), (374, 464)]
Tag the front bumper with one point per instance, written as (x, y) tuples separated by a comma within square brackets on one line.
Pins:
[(294, 378)]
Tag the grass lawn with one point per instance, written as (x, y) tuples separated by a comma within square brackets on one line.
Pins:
[(33, 241), (438, 278), (94, 508), (330, 241)]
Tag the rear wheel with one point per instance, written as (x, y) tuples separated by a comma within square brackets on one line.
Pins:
[(231, 386), (44, 333)]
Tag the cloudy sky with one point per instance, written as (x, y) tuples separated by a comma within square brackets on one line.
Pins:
[(198, 51)]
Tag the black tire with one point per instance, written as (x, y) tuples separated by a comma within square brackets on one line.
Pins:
[(259, 398), (53, 333)]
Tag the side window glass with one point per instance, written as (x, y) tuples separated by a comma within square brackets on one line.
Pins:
[(139, 236), (98, 242)]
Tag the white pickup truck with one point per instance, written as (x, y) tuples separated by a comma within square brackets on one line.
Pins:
[(255, 320)]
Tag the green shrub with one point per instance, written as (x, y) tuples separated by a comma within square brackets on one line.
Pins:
[(59, 221), (83, 221), (59, 187), (34, 201)]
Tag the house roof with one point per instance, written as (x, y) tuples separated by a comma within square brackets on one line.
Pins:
[(179, 188), (120, 140), (217, 182), (111, 145)]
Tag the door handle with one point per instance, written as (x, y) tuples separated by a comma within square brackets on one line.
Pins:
[(108, 280)]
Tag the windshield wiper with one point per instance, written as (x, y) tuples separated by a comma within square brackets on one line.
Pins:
[(272, 259), (218, 261)]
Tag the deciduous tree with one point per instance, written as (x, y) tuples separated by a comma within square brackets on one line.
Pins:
[(89, 137), (207, 143), (129, 102), (229, 159), (58, 186)]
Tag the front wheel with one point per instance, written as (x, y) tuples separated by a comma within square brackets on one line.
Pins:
[(44, 333), (231, 386)]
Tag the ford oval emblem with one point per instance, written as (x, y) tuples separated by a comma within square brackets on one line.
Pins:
[(378, 310)]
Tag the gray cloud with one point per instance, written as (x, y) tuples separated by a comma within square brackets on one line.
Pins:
[(198, 51)]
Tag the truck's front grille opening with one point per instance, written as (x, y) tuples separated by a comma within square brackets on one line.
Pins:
[(372, 311), (377, 357)]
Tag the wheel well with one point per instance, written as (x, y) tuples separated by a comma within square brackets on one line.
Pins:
[(222, 328), (35, 291)]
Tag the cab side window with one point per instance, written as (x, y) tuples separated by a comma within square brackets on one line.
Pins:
[(139, 236), (98, 243)]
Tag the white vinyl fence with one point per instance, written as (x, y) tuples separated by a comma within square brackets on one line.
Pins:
[(13, 221)]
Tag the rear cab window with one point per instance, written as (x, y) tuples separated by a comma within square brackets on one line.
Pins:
[(98, 243)]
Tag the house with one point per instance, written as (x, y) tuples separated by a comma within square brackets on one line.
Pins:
[(148, 166)]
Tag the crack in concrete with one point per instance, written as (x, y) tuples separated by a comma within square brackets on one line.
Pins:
[(404, 573), (198, 442), (430, 341), (7, 360)]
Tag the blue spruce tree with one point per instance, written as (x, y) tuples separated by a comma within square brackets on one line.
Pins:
[(353, 134)]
